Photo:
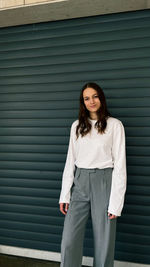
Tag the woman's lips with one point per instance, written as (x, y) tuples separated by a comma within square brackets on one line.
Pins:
[(93, 106)]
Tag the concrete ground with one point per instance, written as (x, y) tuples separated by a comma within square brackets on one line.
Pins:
[(13, 261)]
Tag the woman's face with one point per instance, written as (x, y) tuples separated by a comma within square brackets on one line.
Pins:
[(91, 100)]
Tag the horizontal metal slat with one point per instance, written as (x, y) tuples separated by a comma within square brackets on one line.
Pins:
[(31, 174), (39, 96), (137, 200), (129, 228), (9, 70), (139, 160), (61, 78), (138, 170), (26, 74), (32, 209), (132, 218), (138, 240), (31, 183), (30, 243), (33, 131), (137, 209), (39, 148), (18, 202), (38, 56), (17, 66), (27, 191), (136, 150), (45, 105), (41, 166), (54, 125), (130, 248), (138, 179), (41, 228), (31, 34), (138, 189), (34, 140), (105, 36), (45, 78), (44, 114), (105, 46), (36, 157), (138, 140), (32, 218)]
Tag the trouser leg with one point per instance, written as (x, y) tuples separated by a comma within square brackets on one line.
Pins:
[(104, 229), (75, 222), (73, 234)]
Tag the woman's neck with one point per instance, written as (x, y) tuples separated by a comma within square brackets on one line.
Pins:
[(93, 116)]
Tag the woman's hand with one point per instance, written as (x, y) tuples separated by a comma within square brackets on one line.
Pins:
[(64, 207), (111, 216)]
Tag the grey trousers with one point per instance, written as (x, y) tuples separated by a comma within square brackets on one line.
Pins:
[(90, 194)]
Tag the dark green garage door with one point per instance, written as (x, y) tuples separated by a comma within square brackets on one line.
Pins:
[(42, 68)]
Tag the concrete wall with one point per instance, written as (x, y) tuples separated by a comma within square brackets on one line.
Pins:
[(17, 12), (4, 4), (22, 3)]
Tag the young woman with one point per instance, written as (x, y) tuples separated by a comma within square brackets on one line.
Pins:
[(94, 180)]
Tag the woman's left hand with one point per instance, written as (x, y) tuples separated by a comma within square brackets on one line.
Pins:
[(111, 216)]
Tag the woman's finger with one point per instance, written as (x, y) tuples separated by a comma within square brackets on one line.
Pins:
[(61, 205), (64, 208), (111, 216)]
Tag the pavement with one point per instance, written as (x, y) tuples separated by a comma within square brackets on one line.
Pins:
[(13, 261)]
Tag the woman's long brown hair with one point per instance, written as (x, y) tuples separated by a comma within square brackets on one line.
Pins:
[(84, 125)]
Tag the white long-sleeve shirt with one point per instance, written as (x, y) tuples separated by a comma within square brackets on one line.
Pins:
[(96, 150)]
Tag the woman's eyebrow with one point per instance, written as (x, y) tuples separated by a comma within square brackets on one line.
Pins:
[(92, 95)]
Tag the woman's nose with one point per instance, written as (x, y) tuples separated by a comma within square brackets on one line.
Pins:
[(92, 101)]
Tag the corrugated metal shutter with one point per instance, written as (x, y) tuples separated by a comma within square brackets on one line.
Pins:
[(42, 68)]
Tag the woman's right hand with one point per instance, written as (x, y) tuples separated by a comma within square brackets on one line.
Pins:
[(64, 207)]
